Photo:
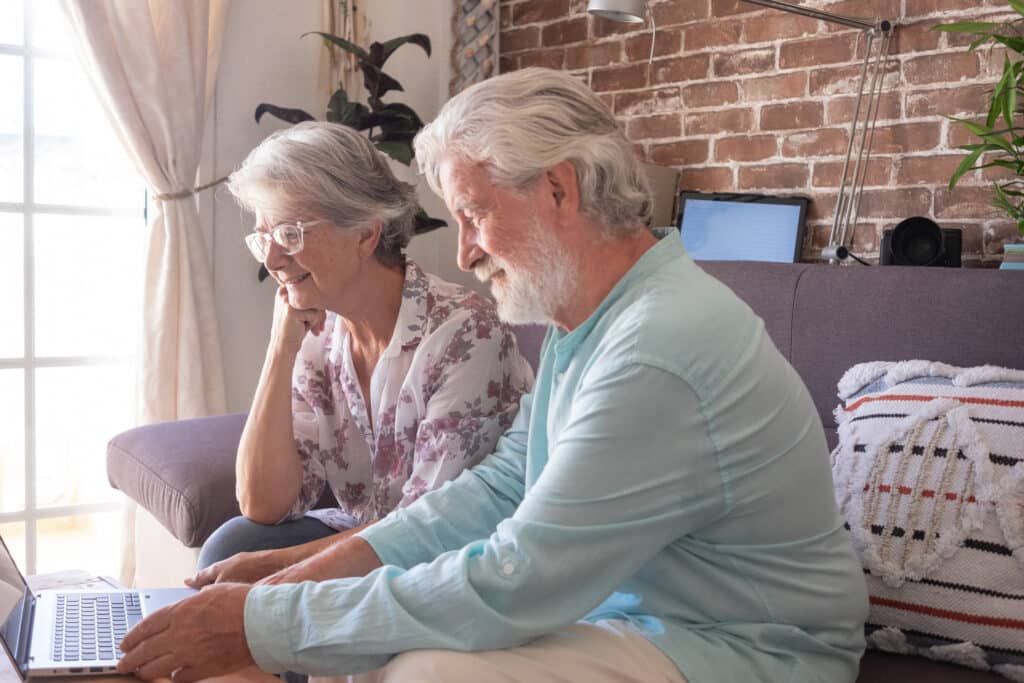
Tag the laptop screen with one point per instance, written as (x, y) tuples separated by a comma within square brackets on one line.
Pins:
[(14, 602), (742, 227)]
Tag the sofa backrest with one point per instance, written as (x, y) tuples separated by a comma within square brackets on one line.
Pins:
[(825, 319)]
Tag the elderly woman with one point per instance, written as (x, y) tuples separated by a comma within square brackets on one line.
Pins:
[(380, 382)]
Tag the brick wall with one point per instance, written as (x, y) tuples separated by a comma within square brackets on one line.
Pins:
[(742, 98)]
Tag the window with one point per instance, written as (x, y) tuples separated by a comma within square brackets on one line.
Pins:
[(72, 225)]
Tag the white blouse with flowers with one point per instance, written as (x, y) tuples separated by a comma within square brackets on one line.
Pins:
[(446, 387)]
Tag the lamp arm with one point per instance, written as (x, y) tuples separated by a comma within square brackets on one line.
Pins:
[(824, 16)]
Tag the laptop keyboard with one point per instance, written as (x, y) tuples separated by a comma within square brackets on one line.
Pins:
[(90, 626)]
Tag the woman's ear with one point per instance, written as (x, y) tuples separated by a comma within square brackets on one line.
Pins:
[(369, 239)]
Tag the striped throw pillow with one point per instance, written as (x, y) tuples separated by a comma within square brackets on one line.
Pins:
[(929, 474)]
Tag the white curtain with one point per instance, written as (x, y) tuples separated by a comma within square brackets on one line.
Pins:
[(154, 65)]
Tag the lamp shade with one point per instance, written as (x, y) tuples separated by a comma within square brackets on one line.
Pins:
[(629, 11)]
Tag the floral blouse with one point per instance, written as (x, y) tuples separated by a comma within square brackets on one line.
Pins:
[(446, 387)]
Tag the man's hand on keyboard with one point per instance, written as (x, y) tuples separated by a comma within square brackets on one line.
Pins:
[(199, 637)]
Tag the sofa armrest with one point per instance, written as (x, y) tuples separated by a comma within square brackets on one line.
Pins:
[(182, 472)]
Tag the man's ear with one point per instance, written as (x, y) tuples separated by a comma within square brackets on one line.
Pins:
[(369, 240), (564, 186)]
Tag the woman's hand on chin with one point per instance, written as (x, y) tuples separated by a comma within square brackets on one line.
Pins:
[(291, 324)]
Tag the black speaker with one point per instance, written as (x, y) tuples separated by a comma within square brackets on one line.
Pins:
[(919, 241)]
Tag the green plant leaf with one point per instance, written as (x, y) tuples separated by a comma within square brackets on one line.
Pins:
[(345, 45), (967, 27), (425, 223), (287, 115), (399, 151), (388, 47), (1017, 5), (966, 165), (377, 82)]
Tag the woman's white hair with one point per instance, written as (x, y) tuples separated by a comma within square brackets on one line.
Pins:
[(523, 123), (332, 172)]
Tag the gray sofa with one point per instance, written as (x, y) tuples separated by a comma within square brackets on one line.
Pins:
[(824, 319)]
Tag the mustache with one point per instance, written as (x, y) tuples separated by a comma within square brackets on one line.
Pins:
[(485, 269)]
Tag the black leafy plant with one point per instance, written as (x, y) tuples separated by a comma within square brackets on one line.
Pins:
[(390, 126)]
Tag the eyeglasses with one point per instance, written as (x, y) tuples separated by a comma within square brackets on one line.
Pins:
[(287, 235)]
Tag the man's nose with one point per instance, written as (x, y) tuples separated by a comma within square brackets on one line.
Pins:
[(469, 252)]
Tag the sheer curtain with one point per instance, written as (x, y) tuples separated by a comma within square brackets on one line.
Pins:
[(154, 65)]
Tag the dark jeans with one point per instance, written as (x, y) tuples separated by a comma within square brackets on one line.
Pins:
[(240, 535)]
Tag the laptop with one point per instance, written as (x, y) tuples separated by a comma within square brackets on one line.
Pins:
[(742, 226), (69, 632)]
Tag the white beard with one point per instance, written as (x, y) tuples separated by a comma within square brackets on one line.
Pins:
[(536, 290)]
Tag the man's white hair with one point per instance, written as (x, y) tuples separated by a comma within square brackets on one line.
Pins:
[(523, 123)]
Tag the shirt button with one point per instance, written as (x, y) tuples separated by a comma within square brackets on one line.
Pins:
[(559, 377), (508, 569)]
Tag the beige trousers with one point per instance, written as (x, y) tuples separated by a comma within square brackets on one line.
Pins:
[(605, 652)]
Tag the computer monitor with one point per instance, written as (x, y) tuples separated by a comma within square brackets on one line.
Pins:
[(742, 227)]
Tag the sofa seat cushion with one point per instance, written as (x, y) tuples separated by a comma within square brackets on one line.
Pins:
[(929, 475), (182, 472)]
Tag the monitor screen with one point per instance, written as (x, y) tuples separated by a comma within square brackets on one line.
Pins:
[(742, 227)]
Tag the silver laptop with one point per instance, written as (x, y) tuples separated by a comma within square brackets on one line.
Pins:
[(69, 632)]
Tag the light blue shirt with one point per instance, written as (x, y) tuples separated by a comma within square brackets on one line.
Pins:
[(669, 469)]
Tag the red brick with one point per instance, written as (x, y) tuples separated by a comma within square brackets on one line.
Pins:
[(564, 32), (676, 69), (745, 62), (965, 202), (505, 16), (600, 54), (675, 12), (532, 11), (653, 127), (665, 43), (629, 77), (919, 37), (682, 153), (821, 208), (881, 9), (926, 170), (552, 59), (651, 102), (845, 80), (725, 121), (929, 8), (815, 143), (711, 34), (774, 176), (722, 8), (866, 239), (896, 204), (958, 135), (905, 138), (746, 148), (832, 49), (830, 173), (710, 94), (782, 87), (707, 179), (789, 116), (941, 68), (774, 26), (520, 39), (840, 110), (507, 64), (603, 28)]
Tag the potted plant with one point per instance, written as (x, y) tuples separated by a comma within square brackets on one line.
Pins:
[(390, 126), (1001, 135)]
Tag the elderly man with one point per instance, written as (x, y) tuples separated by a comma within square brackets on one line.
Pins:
[(662, 507)]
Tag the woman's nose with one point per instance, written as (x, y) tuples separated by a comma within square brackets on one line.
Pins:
[(276, 256)]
